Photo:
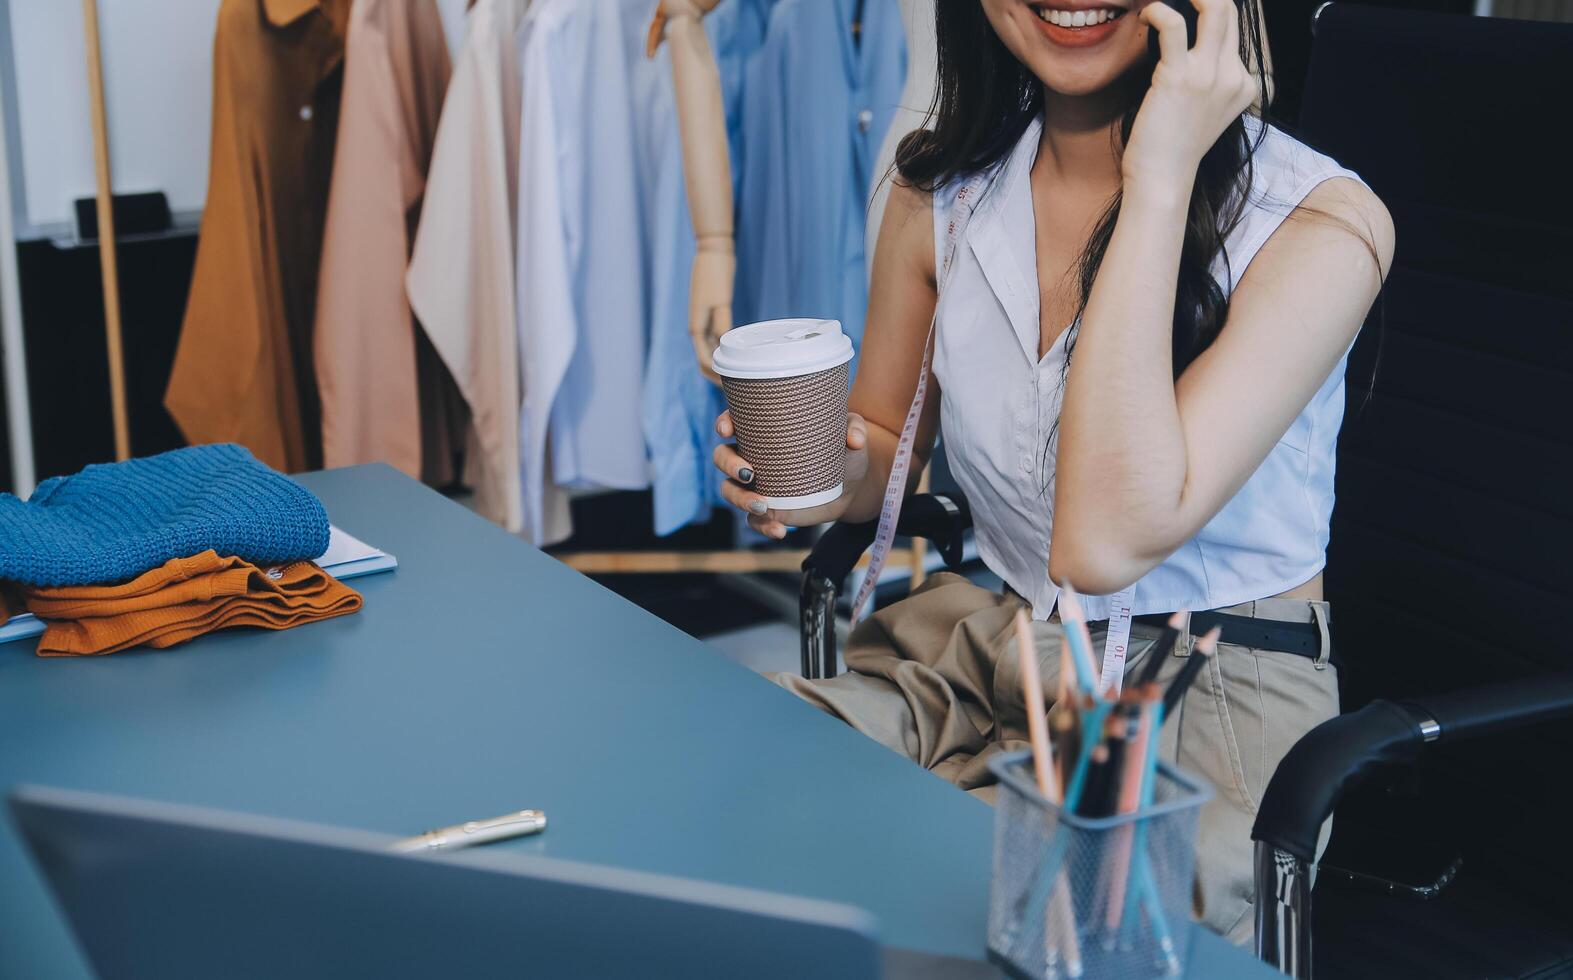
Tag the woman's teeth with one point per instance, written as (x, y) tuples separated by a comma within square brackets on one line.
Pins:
[(1078, 18)]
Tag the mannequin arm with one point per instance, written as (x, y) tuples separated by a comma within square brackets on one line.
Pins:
[(669, 9), (707, 169)]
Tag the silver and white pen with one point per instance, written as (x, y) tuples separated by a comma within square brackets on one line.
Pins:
[(520, 823)]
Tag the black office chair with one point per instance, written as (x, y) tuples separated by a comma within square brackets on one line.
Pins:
[(1452, 536), (1449, 559), (1449, 562), (942, 518)]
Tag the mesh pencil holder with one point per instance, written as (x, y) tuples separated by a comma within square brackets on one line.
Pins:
[(1097, 898)]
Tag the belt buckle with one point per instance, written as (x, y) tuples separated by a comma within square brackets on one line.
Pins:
[(1321, 612)]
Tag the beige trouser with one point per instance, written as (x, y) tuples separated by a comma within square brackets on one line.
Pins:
[(934, 677)]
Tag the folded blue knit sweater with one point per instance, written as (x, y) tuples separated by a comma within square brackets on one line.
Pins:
[(115, 521)]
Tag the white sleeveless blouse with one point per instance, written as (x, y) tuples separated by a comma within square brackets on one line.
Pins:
[(999, 403)]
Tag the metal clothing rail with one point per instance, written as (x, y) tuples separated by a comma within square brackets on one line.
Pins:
[(12, 348)]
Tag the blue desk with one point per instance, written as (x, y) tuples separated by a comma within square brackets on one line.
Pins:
[(484, 676)]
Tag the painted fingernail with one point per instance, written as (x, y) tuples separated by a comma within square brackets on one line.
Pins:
[(757, 507), (745, 475)]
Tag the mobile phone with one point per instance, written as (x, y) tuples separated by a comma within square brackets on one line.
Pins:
[(1187, 10)]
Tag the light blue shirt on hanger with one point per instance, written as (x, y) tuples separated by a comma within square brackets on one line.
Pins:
[(817, 103), (680, 406), (580, 283)]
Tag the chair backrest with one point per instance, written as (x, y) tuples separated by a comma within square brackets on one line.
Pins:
[(1288, 25), (1451, 561)]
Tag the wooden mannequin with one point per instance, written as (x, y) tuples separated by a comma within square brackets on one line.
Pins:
[(707, 169)]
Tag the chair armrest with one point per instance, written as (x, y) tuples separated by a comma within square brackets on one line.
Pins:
[(1336, 754), (942, 518), (1497, 707), (1328, 759), (837, 551)]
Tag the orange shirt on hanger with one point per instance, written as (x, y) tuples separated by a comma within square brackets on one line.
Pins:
[(243, 369)]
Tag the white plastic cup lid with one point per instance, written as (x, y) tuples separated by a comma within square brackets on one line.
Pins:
[(782, 349)]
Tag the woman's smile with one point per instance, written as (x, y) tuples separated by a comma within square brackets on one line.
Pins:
[(1076, 23)]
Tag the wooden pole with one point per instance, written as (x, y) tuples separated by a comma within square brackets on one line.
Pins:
[(107, 258)]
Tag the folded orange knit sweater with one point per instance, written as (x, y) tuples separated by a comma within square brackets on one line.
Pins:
[(183, 599)]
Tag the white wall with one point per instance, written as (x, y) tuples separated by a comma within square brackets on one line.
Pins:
[(158, 76)]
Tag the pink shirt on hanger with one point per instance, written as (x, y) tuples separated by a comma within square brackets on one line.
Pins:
[(377, 391)]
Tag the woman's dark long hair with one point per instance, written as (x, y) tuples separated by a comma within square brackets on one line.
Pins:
[(986, 99)]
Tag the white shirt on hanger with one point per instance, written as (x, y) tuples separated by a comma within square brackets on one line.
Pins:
[(580, 282), (460, 280)]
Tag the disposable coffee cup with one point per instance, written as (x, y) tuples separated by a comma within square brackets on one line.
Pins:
[(786, 386)]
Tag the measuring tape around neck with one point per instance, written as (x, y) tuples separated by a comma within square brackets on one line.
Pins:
[(1117, 642), (896, 487)]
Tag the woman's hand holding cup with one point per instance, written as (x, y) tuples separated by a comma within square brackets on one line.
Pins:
[(774, 523), (798, 447)]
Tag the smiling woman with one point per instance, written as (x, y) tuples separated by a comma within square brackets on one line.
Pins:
[(1140, 295)]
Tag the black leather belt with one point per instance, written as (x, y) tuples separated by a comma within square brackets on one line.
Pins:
[(1301, 639)]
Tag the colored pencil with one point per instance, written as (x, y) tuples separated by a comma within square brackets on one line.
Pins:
[(1147, 886), (1037, 718), (1075, 624), (1193, 666), (1067, 670), (1142, 757), (1162, 649), (1060, 915), (1063, 733)]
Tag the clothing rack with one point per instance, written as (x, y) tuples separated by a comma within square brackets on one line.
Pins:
[(599, 563)]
